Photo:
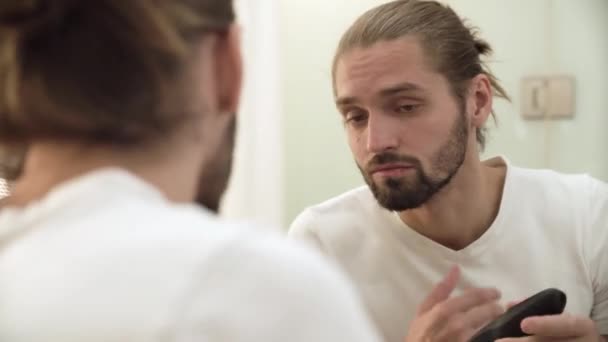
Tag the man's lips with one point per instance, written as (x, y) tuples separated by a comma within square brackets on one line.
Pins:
[(392, 169)]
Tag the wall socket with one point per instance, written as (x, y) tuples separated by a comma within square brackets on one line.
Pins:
[(550, 97)]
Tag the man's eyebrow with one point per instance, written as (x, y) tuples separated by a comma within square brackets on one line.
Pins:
[(392, 90), (400, 88), (345, 101)]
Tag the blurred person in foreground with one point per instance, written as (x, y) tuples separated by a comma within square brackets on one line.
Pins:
[(126, 110)]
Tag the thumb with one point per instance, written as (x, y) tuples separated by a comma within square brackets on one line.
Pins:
[(441, 291)]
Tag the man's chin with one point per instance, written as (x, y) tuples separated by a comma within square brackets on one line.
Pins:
[(394, 202), (399, 197)]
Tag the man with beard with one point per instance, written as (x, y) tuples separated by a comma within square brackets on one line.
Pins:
[(126, 110), (414, 95)]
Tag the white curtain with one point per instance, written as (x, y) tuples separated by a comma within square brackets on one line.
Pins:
[(256, 187)]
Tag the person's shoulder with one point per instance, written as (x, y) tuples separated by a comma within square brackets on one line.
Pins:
[(565, 195), (556, 182), (343, 224), (133, 232), (266, 287), (351, 203), (271, 256), (359, 197), (247, 283), (236, 279)]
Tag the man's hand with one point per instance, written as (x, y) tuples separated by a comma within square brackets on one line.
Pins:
[(457, 319), (562, 328)]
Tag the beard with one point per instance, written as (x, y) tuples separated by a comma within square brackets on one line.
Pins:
[(215, 174), (412, 191)]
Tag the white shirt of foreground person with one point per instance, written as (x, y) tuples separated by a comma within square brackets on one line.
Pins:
[(551, 231), (106, 258)]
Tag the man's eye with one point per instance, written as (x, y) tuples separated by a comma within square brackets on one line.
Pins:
[(355, 117), (408, 108)]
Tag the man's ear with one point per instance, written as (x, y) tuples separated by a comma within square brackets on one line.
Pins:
[(479, 100), (229, 69)]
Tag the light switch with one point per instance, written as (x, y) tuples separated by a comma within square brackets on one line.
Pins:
[(549, 97), (534, 98), (560, 91)]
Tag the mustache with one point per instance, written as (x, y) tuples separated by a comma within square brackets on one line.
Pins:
[(389, 158)]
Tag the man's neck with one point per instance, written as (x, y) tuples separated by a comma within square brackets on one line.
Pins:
[(464, 209)]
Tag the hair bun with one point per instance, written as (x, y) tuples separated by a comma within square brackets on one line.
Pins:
[(482, 47)]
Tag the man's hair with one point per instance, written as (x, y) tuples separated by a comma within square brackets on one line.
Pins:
[(454, 49), (104, 71), (98, 71)]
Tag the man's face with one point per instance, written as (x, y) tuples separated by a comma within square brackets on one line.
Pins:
[(406, 130)]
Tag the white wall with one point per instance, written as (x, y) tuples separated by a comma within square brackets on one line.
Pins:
[(255, 192), (318, 164), (549, 37), (581, 48)]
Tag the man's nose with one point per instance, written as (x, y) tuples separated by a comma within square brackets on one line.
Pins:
[(382, 134)]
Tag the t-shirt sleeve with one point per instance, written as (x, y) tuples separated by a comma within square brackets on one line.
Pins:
[(272, 292), (303, 229), (598, 254)]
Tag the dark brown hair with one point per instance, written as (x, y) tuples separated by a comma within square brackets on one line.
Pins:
[(101, 71), (454, 48)]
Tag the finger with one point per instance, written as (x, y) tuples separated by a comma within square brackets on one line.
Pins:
[(455, 318), (441, 291), (465, 325), (484, 314), (563, 325), (469, 299)]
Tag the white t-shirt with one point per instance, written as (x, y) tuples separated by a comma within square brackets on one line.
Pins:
[(106, 258), (551, 231)]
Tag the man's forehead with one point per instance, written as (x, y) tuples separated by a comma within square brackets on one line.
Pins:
[(388, 90), (382, 66)]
